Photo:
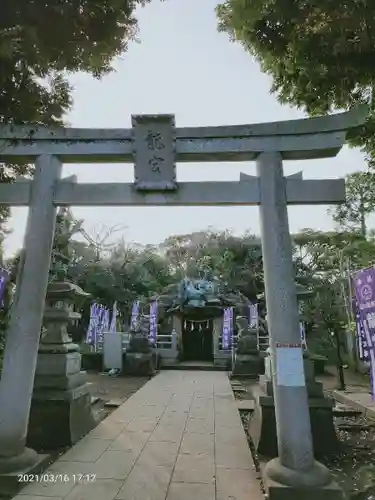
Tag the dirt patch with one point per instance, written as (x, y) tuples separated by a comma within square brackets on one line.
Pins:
[(114, 390)]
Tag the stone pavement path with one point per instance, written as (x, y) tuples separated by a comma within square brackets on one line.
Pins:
[(179, 437)]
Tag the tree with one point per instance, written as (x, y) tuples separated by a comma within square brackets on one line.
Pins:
[(237, 261), (359, 204), (41, 42), (319, 54), (323, 262)]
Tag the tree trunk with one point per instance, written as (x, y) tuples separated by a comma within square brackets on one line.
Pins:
[(362, 213)]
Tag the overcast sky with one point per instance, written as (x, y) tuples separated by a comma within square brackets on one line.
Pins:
[(183, 66)]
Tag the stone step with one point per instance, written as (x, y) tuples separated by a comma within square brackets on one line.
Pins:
[(341, 410), (195, 366), (241, 390), (245, 404), (354, 427), (113, 403), (236, 383)]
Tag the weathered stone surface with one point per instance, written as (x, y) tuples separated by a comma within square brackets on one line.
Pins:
[(278, 491), (246, 366), (247, 344), (26, 463), (58, 382), (263, 426), (140, 364), (287, 484), (137, 448), (314, 389), (56, 364), (345, 411), (60, 411), (59, 418), (138, 343), (246, 405), (247, 363)]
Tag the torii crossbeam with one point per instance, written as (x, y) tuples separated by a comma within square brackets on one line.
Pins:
[(154, 145)]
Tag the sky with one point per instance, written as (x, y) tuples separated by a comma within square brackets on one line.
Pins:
[(183, 66)]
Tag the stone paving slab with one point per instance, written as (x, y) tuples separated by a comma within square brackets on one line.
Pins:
[(360, 400), (179, 437)]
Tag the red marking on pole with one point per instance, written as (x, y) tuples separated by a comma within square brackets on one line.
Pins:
[(280, 344)]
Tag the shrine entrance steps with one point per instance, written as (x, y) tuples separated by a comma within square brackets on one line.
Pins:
[(207, 366), (179, 437)]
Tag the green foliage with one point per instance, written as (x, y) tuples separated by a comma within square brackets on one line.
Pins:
[(41, 42), (235, 260), (319, 54), (324, 261), (125, 273), (359, 204)]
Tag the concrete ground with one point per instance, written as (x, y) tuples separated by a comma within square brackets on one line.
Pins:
[(179, 437)]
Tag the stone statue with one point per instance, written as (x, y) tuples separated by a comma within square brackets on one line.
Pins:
[(247, 338), (196, 292), (139, 336), (247, 362), (140, 360)]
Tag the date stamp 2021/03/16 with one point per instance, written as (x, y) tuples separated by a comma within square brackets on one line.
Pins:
[(49, 477)]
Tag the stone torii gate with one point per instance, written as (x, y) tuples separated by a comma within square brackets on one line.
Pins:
[(154, 146)]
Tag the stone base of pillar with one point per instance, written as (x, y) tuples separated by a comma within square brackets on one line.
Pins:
[(14, 469), (246, 366), (284, 484), (60, 418), (314, 389), (140, 364), (262, 427)]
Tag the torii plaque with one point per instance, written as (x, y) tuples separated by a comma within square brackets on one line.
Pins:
[(154, 153)]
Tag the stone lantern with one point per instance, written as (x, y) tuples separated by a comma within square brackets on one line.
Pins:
[(61, 404), (263, 423)]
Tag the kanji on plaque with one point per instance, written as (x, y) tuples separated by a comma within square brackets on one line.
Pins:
[(155, 140), (154, 152)]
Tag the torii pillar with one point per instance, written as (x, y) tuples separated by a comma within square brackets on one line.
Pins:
[(294, 473)]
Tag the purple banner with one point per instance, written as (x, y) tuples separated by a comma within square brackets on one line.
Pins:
[(4, 278), (363, 283), (253, 316), (105, 320), (363, 351), (227, 328), (113, 325), (153, 322), (302, 332), (93, 325), (98, 324), (134, 314)]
